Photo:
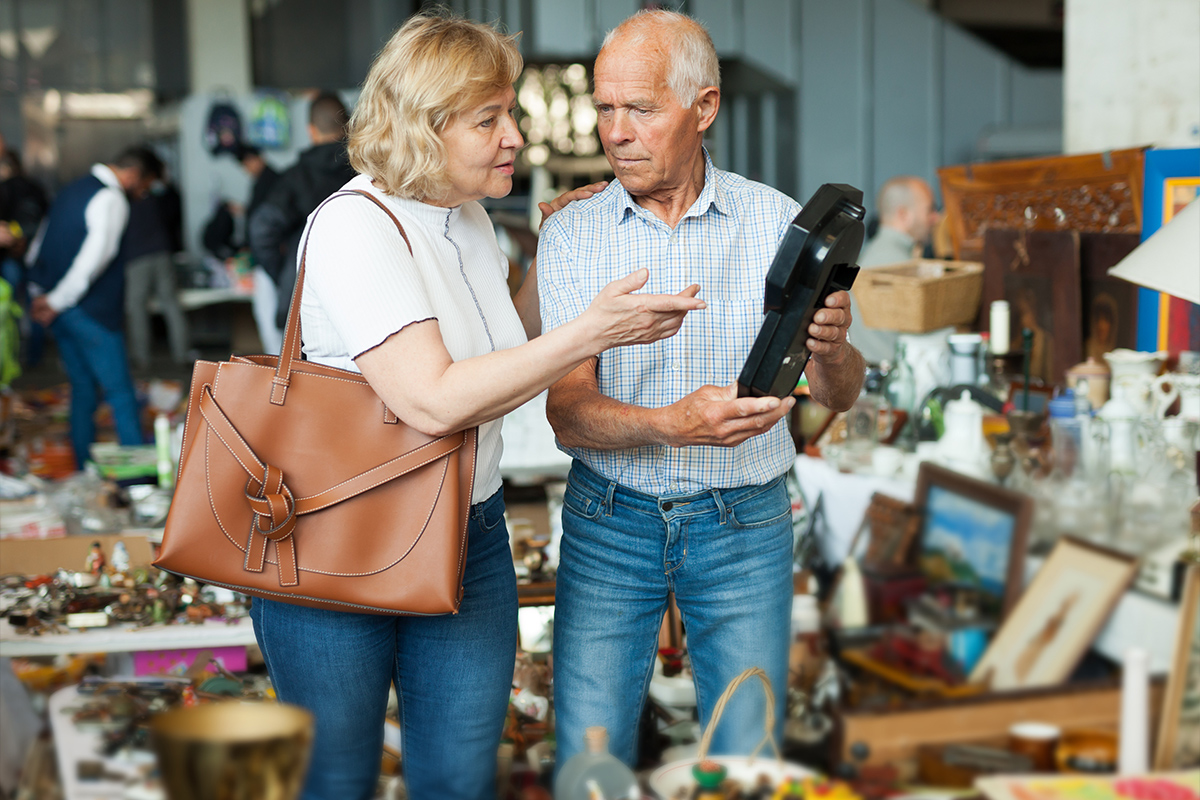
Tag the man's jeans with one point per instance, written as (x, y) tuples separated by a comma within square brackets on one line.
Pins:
[(727, 556), (453, 675), (94, 357)]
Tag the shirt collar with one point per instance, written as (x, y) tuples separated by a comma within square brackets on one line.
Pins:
[(106, 176), (900, 238), (711, 196), (438, 216)]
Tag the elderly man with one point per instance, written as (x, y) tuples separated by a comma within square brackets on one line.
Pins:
[(906, 221), (677, 484)]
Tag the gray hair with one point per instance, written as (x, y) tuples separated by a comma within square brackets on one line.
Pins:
[(689, 51)]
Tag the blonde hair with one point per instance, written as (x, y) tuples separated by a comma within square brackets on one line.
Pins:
[(689, 52), (434, 67)]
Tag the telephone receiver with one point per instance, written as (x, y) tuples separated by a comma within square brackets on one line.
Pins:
[(818, 256)]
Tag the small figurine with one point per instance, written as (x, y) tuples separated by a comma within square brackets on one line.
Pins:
[(96, 562), (120, 558), (709, 777), (790, 789)]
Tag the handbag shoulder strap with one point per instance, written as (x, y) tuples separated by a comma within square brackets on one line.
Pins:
[(291, 335)]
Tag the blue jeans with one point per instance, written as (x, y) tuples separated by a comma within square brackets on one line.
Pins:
[(727, 556), (452, 673), (94, 358)]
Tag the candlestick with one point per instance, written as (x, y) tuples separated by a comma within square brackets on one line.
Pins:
[(1135, 713), (998, 329)]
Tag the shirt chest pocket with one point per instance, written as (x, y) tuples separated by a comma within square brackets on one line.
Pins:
[(730, 274)]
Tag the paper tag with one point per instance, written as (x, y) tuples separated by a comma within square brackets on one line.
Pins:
[(88, 619)]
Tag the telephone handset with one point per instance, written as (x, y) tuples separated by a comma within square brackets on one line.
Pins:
[(817, 257)]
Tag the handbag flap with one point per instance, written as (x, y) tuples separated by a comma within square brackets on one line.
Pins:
[(345, 437)]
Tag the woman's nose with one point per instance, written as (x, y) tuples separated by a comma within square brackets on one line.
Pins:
[(512, 138)]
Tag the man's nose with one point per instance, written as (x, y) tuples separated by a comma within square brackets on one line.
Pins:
[(619, 129)]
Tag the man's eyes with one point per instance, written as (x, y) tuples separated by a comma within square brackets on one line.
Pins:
[(604, 110)]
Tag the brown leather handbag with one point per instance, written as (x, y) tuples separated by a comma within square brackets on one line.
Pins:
[(297, 483)]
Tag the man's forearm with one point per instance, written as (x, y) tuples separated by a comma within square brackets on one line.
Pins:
[(583, 417), (837, 385)]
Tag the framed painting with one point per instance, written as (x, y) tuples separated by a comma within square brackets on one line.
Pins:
[(1057, 618), (973, 536), (1171, 181), (1038, 272)]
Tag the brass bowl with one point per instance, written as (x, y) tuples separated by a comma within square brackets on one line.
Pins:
[(233, 751), (1087, 752)]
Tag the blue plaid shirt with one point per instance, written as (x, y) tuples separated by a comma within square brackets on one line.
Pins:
[(725, 242)]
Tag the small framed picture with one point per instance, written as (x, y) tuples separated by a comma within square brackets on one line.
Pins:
[(1056, 620), (973, 537), (1039, 396), (1179, 729)]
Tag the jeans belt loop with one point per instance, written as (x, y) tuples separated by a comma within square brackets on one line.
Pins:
[(608, 498), (720, 501)]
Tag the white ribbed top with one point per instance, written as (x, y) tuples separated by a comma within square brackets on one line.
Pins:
[(362, 286)]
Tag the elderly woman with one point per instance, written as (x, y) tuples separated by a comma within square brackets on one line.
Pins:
[(436, 335)]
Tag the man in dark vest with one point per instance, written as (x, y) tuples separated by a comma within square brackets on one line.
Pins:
[(80, 291)]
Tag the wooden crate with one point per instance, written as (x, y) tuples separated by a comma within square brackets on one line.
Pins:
[(895, 734), (920, 295)]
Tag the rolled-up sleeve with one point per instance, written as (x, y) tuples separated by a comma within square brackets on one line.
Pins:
[(558, 292)]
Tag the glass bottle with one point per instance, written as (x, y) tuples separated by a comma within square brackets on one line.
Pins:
[(1003, 459), (595, 773), (901, 387), (901, 393)]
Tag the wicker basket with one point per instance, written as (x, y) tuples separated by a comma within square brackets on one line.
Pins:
[(670, 779), (920, 295)]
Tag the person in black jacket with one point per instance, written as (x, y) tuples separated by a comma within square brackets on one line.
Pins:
[(222, 236), (275, 226), (260, 172), (22, 205)]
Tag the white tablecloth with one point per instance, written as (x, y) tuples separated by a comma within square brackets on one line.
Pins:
[(121, 639), (846, 497)]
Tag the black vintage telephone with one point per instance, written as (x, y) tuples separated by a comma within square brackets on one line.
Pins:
[(817, 257)]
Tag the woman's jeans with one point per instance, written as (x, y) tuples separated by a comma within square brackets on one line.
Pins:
[(452, 673), (727, 556)]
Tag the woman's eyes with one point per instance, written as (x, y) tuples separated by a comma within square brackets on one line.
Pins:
[(490, 121)]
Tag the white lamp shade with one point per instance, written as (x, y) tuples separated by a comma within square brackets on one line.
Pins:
[(1169, 261)]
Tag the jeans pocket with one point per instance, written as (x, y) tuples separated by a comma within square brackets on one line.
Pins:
[(491, 516), (763, 510), (580, 504)]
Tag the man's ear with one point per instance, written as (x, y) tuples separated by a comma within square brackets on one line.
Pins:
[(708, 100)]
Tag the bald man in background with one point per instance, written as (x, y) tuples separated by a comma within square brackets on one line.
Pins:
[(906, 221)]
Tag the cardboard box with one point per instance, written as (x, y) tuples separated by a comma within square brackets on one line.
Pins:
[(45, 556)]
